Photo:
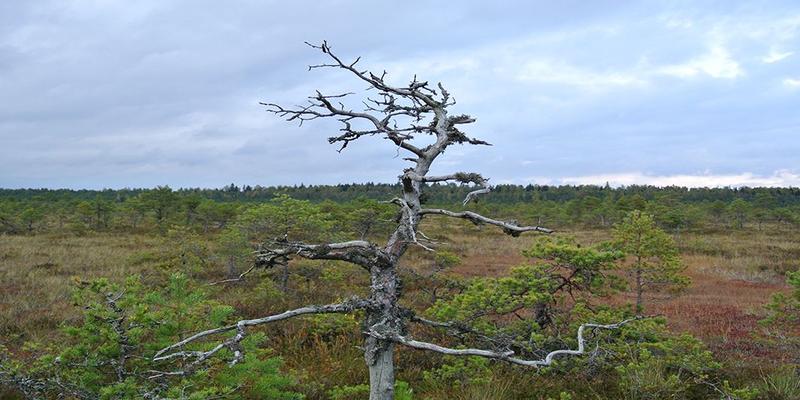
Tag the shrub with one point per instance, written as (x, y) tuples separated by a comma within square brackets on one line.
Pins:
[(108, 354)]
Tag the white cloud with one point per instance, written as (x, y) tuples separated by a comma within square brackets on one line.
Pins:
[(781, 178), (792, 83), (776, 56), (717, 63)]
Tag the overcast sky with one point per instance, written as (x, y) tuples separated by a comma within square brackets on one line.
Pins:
[(97, 94)]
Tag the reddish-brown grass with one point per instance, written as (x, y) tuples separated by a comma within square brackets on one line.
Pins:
[(733, 276)]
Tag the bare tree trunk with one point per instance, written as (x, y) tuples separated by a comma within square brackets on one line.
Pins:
[(383, 317), (381, 369)]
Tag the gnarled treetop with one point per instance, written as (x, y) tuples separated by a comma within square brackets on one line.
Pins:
[(395, 113)]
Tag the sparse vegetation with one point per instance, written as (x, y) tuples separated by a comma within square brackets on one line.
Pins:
[(734, 274)]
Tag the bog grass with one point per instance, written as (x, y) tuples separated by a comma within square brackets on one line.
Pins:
[(733, 272)]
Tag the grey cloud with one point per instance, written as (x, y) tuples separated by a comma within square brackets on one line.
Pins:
[(145, 93)]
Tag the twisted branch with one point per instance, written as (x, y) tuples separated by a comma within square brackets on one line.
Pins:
[(359, 252), (461, 177), (509, 227), (504, 356), (234, 343)]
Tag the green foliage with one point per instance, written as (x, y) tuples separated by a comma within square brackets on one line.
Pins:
[(525, 287), (548, 290), (655, 263), (783, 384), (649, 362), (402, 391), (214, 215), (739, 210), (349, 392), (438, 279), (356, 210), (784, 310), (133, 211), (363, 218), (161, 201), (459, 372), (234, 248), (284, 217), (668, 377), (578, 268), (189, 252), (674, 367), (258, 377), (328, 325), (108, 354), (783, 317), (30, 216), (444, 260)]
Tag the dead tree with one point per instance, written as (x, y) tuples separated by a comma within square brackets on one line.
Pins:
[(406, 116)]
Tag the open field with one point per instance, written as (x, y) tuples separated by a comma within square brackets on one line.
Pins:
[(733, 276)]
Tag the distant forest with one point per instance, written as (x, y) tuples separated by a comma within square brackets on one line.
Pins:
[(26, 211), (436, 193)]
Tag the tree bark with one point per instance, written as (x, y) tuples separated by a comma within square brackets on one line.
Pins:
[(384, 316), (381, 369)]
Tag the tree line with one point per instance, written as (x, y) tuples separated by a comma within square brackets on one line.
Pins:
[(25, 211), (435, 192)]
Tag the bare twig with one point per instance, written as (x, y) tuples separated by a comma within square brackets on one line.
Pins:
[(237, 279)]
